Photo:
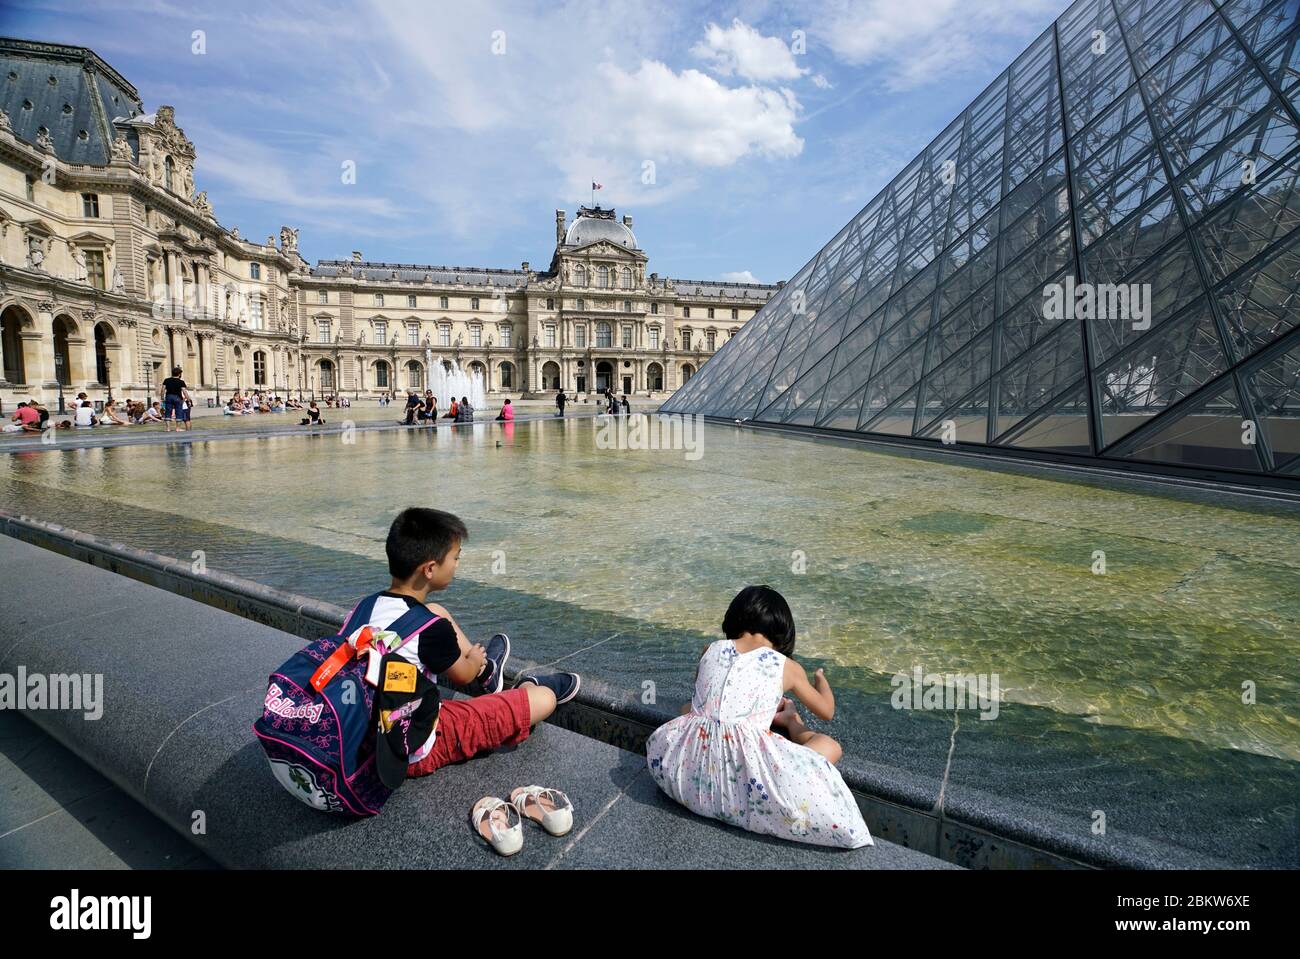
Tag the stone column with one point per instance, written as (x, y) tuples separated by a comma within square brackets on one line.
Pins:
[(39, 362)]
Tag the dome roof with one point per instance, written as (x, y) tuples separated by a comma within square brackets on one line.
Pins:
[(599, 224)]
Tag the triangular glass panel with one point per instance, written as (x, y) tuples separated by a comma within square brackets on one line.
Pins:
[(1158, 371), (896, 419), (1059, 427), (1210, 433), (1274, 390)]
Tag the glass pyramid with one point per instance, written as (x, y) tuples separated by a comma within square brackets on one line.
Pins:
[(1147, 145)]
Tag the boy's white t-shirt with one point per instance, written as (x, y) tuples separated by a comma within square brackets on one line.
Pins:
[(431, 651)]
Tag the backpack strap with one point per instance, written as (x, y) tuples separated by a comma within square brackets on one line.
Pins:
[(360, 614), (410, 624)]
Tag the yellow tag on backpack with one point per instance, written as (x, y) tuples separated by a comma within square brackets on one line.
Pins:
[(400, 677)]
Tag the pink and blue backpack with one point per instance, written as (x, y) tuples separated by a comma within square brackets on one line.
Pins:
[(319, 725)]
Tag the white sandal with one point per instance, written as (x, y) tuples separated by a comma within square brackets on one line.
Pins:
[(547, 807), (492, 820)]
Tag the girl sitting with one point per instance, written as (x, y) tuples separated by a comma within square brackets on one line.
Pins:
[(722, 760)]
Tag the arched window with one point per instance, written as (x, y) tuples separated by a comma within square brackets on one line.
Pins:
[(415, 375), (654, 376), (604, 334), (63, 328), (579, 275), (11, 321), (326, 374), (687, 372), (550, 376), (168, 170), (259, 368), (103, 336), (506, 373), (603, 277), (627, 278), (381, 375)]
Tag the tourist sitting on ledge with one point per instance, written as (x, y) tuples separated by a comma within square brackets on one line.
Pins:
[(507, 411), (464, 412), (313, 416), (453, 411), (423, 549), (152, 413), (85, 415), (110, 417), (44, 413), (429, 409), (721, 758), (25, 420)]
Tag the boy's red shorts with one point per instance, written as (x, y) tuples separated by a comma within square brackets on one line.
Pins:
[(468, 727)]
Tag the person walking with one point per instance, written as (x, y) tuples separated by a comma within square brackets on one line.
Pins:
[(174, 396), (560, 401)]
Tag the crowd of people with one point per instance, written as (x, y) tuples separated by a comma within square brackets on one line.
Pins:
[(174, 407), (32, 417)]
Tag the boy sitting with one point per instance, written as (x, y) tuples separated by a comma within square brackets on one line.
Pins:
[(423, 549)]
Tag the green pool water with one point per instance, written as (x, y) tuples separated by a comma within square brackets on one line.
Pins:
[(1163, 693), (888, 562)]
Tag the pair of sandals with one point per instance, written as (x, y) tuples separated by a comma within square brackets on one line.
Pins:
[(501, 824)]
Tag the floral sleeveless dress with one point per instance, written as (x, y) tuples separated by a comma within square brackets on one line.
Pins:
[(722, 760)]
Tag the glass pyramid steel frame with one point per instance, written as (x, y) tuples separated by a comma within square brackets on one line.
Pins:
[(1148, 145)]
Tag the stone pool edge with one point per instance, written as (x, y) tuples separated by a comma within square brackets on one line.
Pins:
[(899, 808)]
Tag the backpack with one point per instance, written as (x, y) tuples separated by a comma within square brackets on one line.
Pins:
[(318, 725)]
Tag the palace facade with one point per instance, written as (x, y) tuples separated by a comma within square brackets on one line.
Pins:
[(113, 270)]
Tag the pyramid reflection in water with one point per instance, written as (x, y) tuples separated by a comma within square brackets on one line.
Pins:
[(1148, 145)]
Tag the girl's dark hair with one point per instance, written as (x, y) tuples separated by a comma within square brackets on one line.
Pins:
[(761, 609), (419, 535), (176, 371)]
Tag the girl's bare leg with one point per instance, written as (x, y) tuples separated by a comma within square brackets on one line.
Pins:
[(819, 742)]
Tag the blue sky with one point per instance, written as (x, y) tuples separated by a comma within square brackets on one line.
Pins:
[(768, 124)]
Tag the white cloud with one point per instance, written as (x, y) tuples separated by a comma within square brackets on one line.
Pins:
[(743, 276), (821, 83), (661, 114), (743, 50), (923, 43)]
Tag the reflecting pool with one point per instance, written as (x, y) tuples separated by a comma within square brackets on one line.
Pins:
[(1152, 635)]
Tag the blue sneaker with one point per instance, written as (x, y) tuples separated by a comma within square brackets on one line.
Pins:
[(564, 685), (493, 677)]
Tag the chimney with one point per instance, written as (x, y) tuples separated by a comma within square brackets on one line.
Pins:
[(356, 256), (559, 227), (627, 221)]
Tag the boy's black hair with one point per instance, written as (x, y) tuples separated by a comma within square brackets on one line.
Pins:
[(419, 535), (761, 609)]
